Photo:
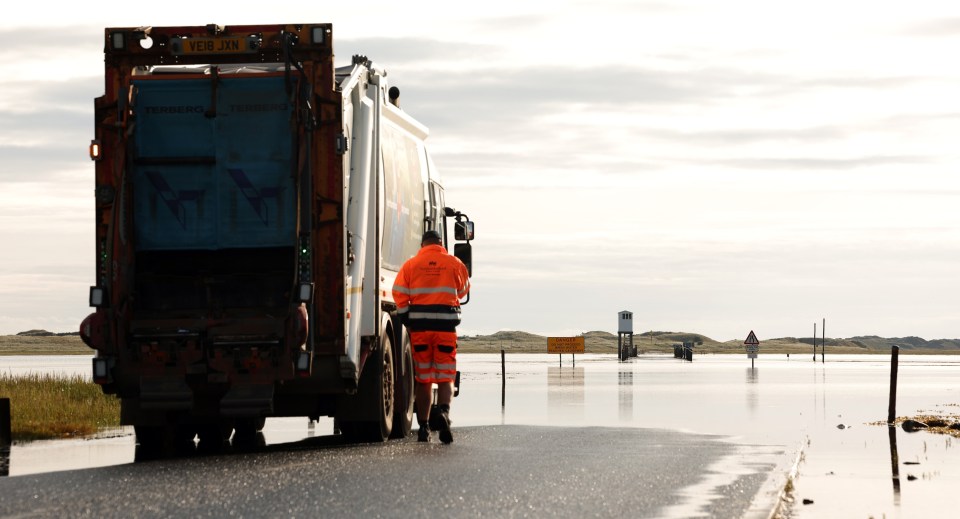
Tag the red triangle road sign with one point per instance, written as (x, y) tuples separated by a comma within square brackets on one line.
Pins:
[(752, 339)]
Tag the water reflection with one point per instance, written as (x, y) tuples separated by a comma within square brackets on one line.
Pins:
[(6, 436), (565, 391), (894, 463), (707, 396), (4, 461), (820, 388), (625, 392), (193, 447), (753, 376)]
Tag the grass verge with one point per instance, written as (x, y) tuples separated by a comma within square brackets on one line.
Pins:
[(27, 345), (47, 407)]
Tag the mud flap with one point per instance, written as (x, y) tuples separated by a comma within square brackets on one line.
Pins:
[(364, 404), (165, 393), (248, 401)]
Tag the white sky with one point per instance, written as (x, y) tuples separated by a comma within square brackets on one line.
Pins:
[(714, 167)]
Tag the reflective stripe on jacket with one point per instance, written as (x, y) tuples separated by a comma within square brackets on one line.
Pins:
[(428, 290)]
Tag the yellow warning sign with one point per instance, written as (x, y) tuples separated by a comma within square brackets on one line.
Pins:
[(565, 345)]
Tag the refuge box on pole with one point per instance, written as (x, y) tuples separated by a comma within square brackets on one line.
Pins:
[(625, 345)]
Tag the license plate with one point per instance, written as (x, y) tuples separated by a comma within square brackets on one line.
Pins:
[(222, 45)]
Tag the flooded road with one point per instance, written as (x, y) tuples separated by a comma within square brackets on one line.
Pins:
[(766, 416), (60, 365)]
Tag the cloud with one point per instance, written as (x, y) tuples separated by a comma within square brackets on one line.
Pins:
[(396, 53), (42, 43), (501, 24), (522, 90), (742, 136), (640, 185), (708, 286), (51, 96), (810, 164), (935, 28), (44, 145), (515, 103), (40, 163)]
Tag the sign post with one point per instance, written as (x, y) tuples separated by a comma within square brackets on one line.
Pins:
[(561, 345), (753, 347)]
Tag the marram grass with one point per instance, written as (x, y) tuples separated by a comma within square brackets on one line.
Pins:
[(48, 406)]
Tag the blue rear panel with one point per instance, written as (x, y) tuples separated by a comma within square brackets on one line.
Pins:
[(219, 182)]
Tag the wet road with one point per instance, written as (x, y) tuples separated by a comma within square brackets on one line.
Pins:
[(493, 471)]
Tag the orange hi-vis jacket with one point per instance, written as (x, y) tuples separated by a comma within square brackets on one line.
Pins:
[(428, 290)]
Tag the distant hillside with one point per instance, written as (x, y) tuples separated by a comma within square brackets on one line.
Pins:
[(38, 342), (677, 337), (594, 342), (42, 344), (905, 343), (44, 333), (515, 341), (662, 342)]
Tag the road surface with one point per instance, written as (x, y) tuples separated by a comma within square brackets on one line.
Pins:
[(489, 471)]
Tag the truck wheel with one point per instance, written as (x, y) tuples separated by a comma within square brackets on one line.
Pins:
[(214, 436), (157, 441), (381, 429), (375, 396), (151, 440), (404, 397)]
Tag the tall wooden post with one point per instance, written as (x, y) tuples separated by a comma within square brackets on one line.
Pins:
[(503, 378), (892, 408)]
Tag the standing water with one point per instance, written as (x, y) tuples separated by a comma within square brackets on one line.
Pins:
[(775, 411)]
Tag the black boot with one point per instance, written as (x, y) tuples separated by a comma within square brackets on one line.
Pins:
[(440, 420), (423, 435)]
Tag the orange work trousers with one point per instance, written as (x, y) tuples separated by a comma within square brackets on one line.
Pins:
[(434, 356)]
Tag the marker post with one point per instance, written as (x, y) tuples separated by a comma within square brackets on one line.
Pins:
[(752, 346)]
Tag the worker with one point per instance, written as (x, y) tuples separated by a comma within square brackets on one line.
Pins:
[(428, 290)]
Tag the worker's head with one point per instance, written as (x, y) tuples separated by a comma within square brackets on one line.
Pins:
[(430, 238)]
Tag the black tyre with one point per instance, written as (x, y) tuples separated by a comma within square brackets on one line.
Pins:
[(247, 431), (151, 440), (160, 441), (375, 395), (404, 393), (214, 436), (387, 385)]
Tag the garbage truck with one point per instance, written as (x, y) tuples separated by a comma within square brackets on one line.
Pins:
[(253, 204)]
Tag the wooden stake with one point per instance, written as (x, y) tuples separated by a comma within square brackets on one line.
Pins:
[(892, 409)]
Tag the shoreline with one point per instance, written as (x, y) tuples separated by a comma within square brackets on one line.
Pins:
[(518, 342)]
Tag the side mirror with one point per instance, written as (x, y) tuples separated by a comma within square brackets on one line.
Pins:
[(464, 252), (463, 230)]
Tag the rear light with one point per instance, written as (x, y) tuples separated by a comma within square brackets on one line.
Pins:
[(305, 292), (118, 40), (95, 150), (98, 297), (102, 367), (304, 361)]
